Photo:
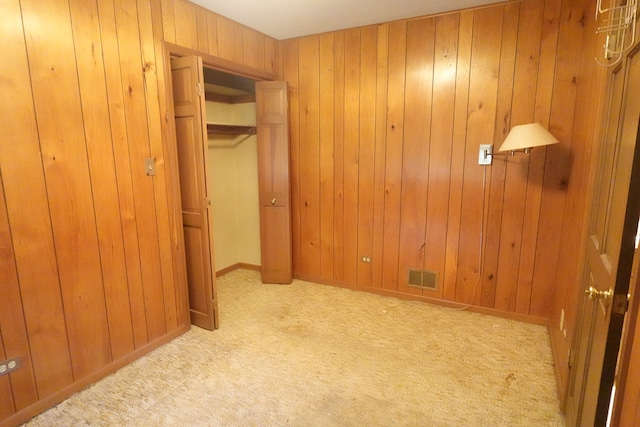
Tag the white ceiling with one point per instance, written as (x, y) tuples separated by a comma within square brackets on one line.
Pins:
[(283, 19)]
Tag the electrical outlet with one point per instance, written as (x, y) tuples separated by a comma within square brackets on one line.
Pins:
[(9, 365)]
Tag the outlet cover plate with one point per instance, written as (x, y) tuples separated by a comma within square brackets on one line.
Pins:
[(9, 365)]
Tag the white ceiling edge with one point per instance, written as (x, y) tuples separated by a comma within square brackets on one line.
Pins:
[(285, 19)]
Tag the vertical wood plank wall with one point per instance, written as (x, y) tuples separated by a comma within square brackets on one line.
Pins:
[(586, 135), (86, 244), (385, 126), (387, 121)]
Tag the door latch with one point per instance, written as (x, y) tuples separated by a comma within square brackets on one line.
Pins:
[(620, 303)]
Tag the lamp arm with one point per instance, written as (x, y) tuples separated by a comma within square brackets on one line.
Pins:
[(509, 153)]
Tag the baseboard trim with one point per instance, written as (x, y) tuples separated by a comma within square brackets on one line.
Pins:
[(237, 266), (541, 321), (48, 402)]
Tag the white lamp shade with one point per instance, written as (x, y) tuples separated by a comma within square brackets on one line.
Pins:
[(527, 136)]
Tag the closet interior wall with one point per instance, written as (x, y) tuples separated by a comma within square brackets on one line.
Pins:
[(233, 176)]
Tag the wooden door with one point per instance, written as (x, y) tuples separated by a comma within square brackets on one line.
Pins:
[(627, 403), (606, 276), (189, 109), (273, 176)]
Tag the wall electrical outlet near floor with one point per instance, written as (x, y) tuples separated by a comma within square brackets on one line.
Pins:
[(9, 365)]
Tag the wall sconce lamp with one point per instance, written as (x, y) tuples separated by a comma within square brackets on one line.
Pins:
[(521, 138)]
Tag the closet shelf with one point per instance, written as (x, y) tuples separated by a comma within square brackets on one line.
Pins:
[(216, 129)]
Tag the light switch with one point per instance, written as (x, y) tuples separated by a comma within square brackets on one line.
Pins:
[(150, 166)]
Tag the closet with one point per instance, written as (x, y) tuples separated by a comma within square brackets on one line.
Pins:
[(233, 171), (232, 155)]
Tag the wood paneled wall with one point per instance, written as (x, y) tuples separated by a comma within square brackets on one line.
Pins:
[(90, 262), (194, 27), (386, 123), (587, 126)]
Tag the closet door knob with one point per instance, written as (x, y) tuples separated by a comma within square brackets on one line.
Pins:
[(273, 201)]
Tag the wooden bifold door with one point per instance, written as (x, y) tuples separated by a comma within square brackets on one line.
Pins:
[(273, 176), (188, 99)]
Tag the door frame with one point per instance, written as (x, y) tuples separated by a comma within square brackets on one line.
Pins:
[(616, 333), (216, 63), (171, 153), (618, 336)]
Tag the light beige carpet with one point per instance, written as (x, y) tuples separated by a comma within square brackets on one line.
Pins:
[(313, 355)]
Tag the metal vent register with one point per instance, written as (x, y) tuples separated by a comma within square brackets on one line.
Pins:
[(425, 279)]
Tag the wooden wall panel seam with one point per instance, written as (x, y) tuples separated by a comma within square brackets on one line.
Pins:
[(382, 55), (90, 83), (396, 85), (14, 340), (327, 138), (168, 20), (351, 151), (122, 160), (308, 72), (366, 159), (151, 72), (339, 125), (461, 102)]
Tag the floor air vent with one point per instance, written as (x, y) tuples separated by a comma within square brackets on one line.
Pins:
[(425, 279)]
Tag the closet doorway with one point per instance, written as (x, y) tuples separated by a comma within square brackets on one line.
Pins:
[(248, 168), (232, 169), (231, 138)]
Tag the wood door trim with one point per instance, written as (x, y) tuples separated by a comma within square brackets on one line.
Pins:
[(622, 284), (221, 64), (171, 150), (622, 408)]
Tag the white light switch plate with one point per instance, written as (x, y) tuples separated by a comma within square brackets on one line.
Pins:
[(484, 156)]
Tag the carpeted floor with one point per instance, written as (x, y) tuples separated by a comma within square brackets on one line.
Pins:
[(313, 355)]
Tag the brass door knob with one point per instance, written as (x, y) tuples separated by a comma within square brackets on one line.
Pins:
[(593, 293)]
